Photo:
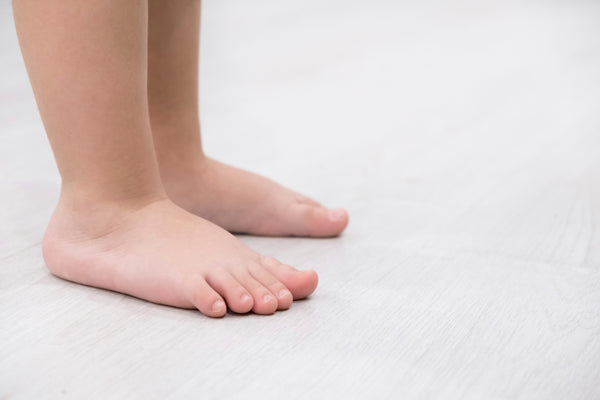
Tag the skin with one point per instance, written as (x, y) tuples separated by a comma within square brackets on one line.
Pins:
[(234, 199), (123, 125)]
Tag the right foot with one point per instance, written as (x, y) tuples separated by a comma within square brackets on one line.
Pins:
[(163, 254)]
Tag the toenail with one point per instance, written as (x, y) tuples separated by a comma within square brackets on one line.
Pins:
[(337, 214), (245, 298), (283, 293), (267, 298), (218, 306)]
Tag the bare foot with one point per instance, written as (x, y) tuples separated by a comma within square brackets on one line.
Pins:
[(161, 253), (243, 202)]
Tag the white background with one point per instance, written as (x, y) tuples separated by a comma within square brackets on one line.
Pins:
[(464, 139)]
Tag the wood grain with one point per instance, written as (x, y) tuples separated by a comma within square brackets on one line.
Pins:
[(465, 141)]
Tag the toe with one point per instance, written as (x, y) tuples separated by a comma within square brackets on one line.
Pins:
[(283, 295), (317, 221), (206, 299), (238, 298), (300, 283), (264, 301), (300, 198)]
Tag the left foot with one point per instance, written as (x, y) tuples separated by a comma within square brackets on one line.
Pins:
[(243, 202)]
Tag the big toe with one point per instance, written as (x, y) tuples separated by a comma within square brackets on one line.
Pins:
[(317, 221), (300, 283)]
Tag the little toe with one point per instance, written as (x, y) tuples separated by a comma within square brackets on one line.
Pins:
[(283, 295), (264, 301), (238, 298), (206, 299), (300, 283), (317, 221)]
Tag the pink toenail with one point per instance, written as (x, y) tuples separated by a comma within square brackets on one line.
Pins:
[(267, 298), (337, 214), (245, 298), (283, 293), (218, 306)]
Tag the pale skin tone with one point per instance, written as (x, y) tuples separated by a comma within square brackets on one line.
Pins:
[(142, 210)]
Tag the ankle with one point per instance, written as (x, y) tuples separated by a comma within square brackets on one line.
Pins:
[(177, 142), (79, 217), (177, 163)]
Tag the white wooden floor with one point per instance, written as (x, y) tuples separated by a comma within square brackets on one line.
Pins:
[(463, 137)]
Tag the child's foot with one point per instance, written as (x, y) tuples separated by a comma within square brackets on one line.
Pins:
[(243, 202), (161, 253)]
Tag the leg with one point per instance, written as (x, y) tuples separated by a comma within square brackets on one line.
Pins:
[(114, 227), (237, 200)]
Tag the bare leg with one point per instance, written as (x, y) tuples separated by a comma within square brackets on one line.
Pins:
[(114, 227), (235, 199)]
